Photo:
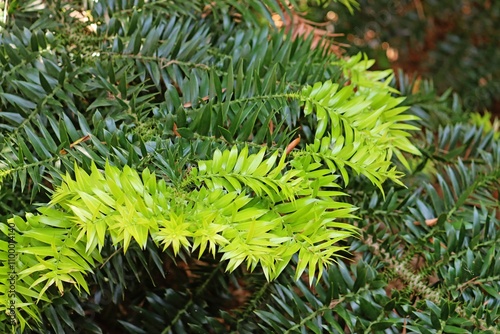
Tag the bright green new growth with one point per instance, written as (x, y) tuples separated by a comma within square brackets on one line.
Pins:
[(256, 209), (365, 122), (241, 204), (249, 209)]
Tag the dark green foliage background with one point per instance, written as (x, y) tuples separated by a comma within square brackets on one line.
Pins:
[(59, 82)]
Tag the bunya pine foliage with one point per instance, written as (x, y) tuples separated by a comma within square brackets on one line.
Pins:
[(187, 167)]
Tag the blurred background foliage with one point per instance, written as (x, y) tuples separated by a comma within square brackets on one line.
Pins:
[(454, 42)]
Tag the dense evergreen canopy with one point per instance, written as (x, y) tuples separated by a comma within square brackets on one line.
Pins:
[(190, 167)]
